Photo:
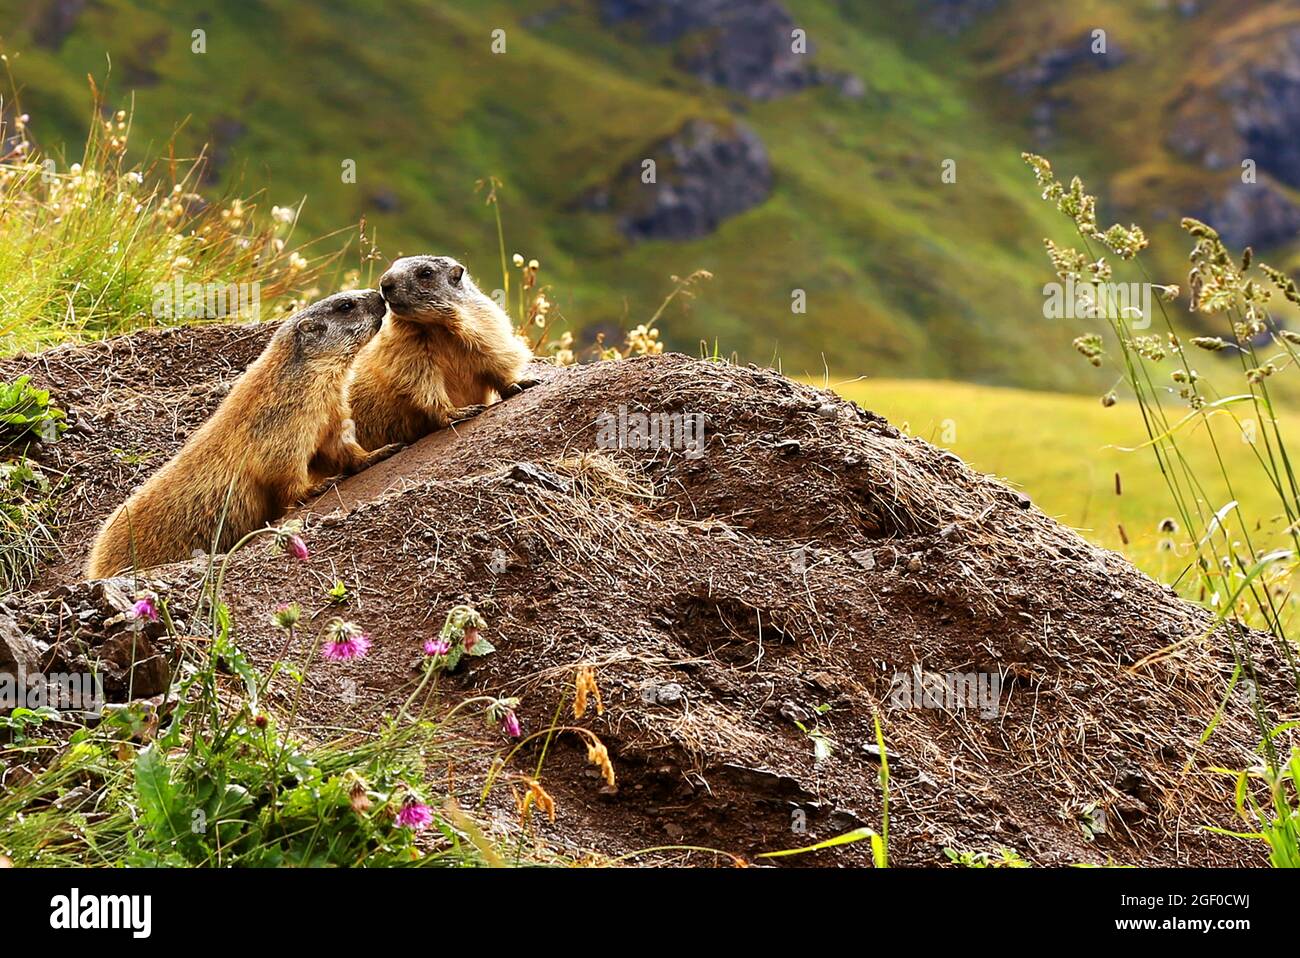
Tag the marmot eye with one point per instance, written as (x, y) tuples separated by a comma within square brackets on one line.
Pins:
[(346, 306), (455, 274), (424, 272)]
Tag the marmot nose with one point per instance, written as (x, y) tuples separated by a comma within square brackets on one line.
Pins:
[(387, 286)]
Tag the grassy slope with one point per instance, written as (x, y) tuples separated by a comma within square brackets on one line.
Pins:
[(1065, 452), (904, 274)]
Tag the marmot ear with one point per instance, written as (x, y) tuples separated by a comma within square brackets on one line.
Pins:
[(311, 327), (454, 274)]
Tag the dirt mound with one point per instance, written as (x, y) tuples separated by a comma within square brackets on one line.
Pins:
[(748, 612)]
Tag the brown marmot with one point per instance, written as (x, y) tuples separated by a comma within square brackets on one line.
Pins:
[(446, 350), (282, 430)]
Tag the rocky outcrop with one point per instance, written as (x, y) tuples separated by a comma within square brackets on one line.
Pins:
[(1253, 113), (742, 45), (704, 174), (19, 653), (87, 629), (954, 16), (224, 132), (1252, 214), (54, 20), (1056, 64)]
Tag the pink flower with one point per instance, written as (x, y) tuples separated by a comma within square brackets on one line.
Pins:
[(510, 724), (144, 607), (345, 641), (436, 647), (288, 539), (351, 647), (415, 815), (297, 548), (286, 615)]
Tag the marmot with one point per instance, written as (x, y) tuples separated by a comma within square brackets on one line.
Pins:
[(444, 352), (281, 431)]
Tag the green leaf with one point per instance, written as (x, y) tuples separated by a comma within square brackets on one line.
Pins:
[(158, 795), (481, 647)]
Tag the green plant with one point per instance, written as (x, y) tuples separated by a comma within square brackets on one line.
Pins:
[(220, 781), (823, 745), (26, 413), (1241, 575), (461, 635), (105, 245), (26, 522), (20, 722), (1003, 858), (1280, 816)]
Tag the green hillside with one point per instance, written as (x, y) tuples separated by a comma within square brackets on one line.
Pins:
[(904, 274)]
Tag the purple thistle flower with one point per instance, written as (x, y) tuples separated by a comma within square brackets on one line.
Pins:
[(144, 607), (345, 641), (297, 548), (415, 815), (510, 724), (286, 615), (347, 647), (436, 647)]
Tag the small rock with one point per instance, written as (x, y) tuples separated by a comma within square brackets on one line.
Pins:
[(794, 712), (112, 594), (914, 564), (130, 665), (1021, 500), (19, 654), (825, 682), (865, 558), (873, 752), (527, 472), (670, 693)]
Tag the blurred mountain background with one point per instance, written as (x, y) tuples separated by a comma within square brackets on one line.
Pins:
[(777, 170)]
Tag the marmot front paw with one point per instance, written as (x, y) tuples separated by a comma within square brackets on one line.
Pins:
[(515, 388), (382, 453), (465, 412)]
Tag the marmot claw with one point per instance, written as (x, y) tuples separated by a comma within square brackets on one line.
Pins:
[(515, 388), (466, 412)]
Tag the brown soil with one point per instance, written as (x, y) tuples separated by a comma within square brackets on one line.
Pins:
[(807, 558)]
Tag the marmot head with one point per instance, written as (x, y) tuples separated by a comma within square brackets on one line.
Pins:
[(334, 328), (428, 288)]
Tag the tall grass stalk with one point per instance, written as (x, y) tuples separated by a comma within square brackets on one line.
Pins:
[(1231, 566), (91, 245)]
